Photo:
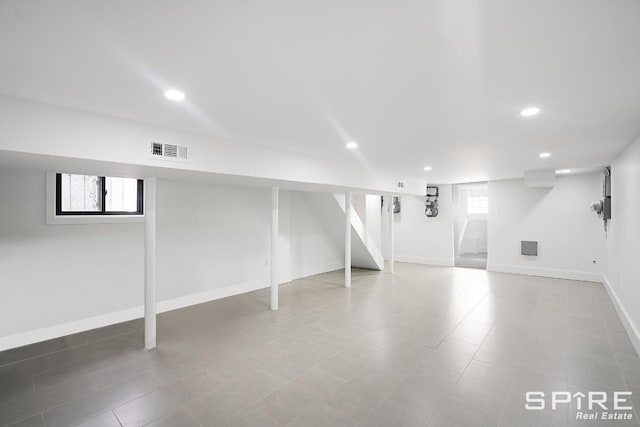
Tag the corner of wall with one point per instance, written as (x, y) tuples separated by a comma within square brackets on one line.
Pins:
[(629, 326)]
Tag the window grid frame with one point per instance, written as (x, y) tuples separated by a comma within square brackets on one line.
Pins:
[(477, 208), (103, 205)]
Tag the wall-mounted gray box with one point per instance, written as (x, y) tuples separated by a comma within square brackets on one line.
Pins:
[(606, 208), (529, 248)]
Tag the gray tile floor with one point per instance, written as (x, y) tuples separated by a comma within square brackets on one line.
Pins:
[(426, 346), (478, 260)]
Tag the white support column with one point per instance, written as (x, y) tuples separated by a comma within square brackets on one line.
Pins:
[(150, 263), (347, 239), (392, 243), (274, 247)]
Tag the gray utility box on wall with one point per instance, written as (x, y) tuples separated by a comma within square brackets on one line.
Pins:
[(529, 248), (606, 208)]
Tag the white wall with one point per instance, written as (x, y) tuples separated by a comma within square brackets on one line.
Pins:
[(359, 204), (455, 209), (57, 274), (420, 239), (570, 236), (373, 219), (368, 208), (311, 249), (475, 238), (211, 237), (216, 236), (329, 210), (623, 243), (213, 241), (473, 227)]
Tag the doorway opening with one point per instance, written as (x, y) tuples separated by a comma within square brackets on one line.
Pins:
[(471, 214)]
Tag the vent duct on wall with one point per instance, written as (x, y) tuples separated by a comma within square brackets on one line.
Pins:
[(169, 151), (529, 248)]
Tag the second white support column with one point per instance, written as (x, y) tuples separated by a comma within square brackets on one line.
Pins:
[(274, 247), (347, 239), (392, 238), (150, 263)]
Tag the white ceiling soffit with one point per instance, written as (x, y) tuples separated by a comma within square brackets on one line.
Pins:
[(415, 83), (48, 163), (542, 178)]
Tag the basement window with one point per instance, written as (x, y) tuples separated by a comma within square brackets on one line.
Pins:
[(80, 199), (477, 202), (98, 195)]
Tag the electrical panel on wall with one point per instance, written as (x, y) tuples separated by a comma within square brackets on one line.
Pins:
[(395, 203), (163, 151), (602, 207), (431, 203)]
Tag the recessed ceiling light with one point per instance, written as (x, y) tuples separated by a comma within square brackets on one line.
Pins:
[(174, 95), (352, 145), (544, 155), (427, 168), (563, 171), (530, 111)]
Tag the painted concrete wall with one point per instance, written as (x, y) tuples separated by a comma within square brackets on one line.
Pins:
[(623, 243), (311, 249), (329, 210), (53, 274), (471, 230), (373, 218), (420, 239), (571, 239), (213, 241), (368, 208)]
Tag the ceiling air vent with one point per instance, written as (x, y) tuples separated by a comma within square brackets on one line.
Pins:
[(169, 151)]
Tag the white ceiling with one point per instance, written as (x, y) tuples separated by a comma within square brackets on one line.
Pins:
[(415, 83)]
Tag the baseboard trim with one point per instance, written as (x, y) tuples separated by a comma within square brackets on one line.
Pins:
[(63, 329), (324, 269), (437, 261), (212, 295), (583, 276), (629, 326)]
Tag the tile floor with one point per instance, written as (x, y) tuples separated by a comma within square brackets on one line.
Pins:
[(427, 346), (478, 260)]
